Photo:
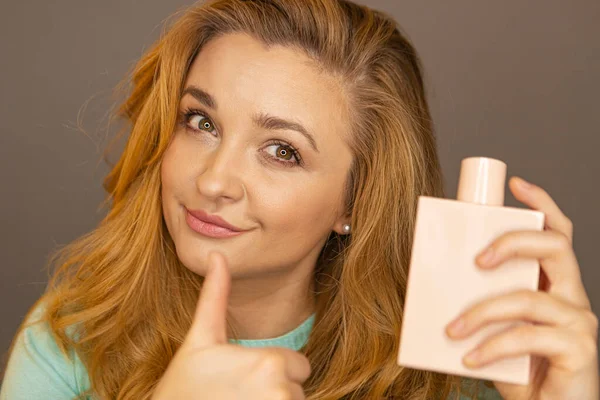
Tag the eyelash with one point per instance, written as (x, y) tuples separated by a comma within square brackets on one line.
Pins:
[(190, 112)]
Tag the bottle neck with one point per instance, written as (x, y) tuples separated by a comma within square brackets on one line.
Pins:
[(482, 181)]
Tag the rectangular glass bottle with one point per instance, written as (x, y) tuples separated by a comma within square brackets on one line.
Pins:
[(444, 280)]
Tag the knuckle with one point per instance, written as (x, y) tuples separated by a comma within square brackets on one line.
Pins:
[(508, 339), (528, 298), (563, 242), (504, 241), (524, 333), (272, 362), (568, 225), (593, 321), (589, 349), (307, 365), (280, 393)]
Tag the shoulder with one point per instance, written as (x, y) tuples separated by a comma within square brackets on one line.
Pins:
[(37, 368)]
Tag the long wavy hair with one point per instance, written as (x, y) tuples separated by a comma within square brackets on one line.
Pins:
[(123, 301)]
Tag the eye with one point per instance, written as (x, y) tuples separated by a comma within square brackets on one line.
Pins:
[(197, 120), (283, 153)]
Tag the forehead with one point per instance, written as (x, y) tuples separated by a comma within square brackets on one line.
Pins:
[(246, 77)]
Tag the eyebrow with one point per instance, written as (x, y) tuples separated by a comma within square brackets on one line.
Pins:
[(262, 120)]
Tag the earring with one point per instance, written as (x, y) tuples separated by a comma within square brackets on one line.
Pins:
[(346, 228)]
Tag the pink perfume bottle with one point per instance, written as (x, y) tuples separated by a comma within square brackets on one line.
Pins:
[(444, 280)]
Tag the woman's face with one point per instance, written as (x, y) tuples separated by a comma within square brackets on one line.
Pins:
[(234, 156)]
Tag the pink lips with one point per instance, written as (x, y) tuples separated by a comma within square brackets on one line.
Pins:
[(211, 225)]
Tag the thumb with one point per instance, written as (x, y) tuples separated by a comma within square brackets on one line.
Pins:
[(209, 326)]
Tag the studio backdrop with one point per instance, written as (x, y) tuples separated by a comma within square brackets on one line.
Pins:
[(514, 80)]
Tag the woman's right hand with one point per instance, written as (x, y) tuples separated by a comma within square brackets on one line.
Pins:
[(206, 366)]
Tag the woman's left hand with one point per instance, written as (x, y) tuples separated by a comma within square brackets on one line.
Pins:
[(563, 338)]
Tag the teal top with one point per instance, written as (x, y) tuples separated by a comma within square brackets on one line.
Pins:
[(38, 370), (295, 339)]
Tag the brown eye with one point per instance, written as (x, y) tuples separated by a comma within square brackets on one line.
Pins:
[(205, 123), (284, 152)]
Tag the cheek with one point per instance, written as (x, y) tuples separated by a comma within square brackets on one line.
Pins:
[(176, 168), (173, 175), (168, 178), (299, 210)]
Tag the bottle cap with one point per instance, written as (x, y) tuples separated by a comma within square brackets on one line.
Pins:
[(482, 181)]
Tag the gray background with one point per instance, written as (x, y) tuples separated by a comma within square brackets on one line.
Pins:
[(515, 80)]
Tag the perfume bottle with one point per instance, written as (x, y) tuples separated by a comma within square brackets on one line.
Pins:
[(444, 280)]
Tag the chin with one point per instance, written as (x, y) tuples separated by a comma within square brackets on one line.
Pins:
[(194, 259), (193, 254)]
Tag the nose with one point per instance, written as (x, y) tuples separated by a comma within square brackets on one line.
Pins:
[(219, 179)]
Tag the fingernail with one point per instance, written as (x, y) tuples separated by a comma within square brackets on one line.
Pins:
[(457, 326), (486, 257), (472, 358), (524, 184)]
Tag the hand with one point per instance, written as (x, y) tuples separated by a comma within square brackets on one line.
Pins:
[(563, 336), (206, 366)]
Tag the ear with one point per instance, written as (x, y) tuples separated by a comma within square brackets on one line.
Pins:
[(338, 226)]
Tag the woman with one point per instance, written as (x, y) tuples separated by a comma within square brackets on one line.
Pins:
[(276, 153)]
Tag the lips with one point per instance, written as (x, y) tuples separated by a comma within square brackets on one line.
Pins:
[(214, 220)]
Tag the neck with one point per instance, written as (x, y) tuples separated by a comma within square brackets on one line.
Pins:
[(268, 307)]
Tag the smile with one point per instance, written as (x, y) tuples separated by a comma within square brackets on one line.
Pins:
[(208, 229)]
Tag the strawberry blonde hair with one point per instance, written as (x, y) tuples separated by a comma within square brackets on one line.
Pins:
[(128, 299)]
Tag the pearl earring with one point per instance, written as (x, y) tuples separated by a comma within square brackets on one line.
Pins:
[(346, 228)]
